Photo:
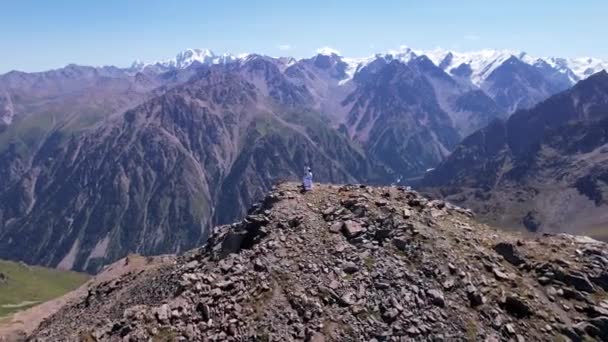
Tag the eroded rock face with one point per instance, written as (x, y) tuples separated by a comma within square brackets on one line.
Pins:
[(291, 271)]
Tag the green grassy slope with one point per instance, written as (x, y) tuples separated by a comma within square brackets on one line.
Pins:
[(27, 286)]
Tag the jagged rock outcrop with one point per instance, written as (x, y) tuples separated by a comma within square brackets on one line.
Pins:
[(352, 263)]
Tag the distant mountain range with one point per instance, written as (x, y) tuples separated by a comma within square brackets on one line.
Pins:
[(96, 162), (545, 169), (480, 63)]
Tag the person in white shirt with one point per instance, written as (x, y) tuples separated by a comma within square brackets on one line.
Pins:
[(307, 179)]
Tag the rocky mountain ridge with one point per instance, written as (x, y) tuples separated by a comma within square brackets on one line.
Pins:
[(351, 263)]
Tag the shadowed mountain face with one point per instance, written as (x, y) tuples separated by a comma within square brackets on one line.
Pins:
[(543, 169), (99, 162)]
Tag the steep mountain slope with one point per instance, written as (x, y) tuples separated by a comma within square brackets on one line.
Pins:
[(406, 112), (544, 168), (468, 107), (395, 114), (59, 103), (354, 263), (154, 180), (516, 85)]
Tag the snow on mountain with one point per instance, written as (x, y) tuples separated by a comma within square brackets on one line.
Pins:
[(354, 65), (403, 54), (481, 63), (584, 67), (189, 56), (327, 51), (475, 66)]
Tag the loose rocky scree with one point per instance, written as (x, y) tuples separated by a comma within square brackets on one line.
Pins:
[(355, 263)]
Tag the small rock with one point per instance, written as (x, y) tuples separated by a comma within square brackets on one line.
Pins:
[(350, 267), (500, 275), (544, 280), (381, 203), (413, 331), (348, 299), (336, 227), (258, 265), (436, 297), (162, 313), (381, 285), (474, 296), (401, 243), (334, 285), (340, 248), (225, 265), (448, 284), (352, 229), (407, 213), (497, 322), (390, 315), (191, 265), (517, 307), (510, 253)]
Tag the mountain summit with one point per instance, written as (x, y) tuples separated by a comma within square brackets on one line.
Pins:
[(352, 263)]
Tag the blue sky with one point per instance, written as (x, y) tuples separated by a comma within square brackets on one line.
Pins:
[(38, 35)]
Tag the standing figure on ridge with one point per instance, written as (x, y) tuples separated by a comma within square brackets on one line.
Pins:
[(307, 179)]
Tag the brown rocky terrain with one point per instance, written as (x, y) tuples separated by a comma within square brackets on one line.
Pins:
[(354, 263)]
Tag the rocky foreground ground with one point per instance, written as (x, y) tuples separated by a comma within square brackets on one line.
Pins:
[(354, 263)]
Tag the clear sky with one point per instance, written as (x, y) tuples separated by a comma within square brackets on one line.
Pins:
[(43, 34)]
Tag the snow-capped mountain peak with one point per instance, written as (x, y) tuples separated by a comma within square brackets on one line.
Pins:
[(481, 63), (188, 57), (327, 51), (404, 54)]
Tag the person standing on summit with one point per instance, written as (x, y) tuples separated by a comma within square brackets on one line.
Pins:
[(307, 179)]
